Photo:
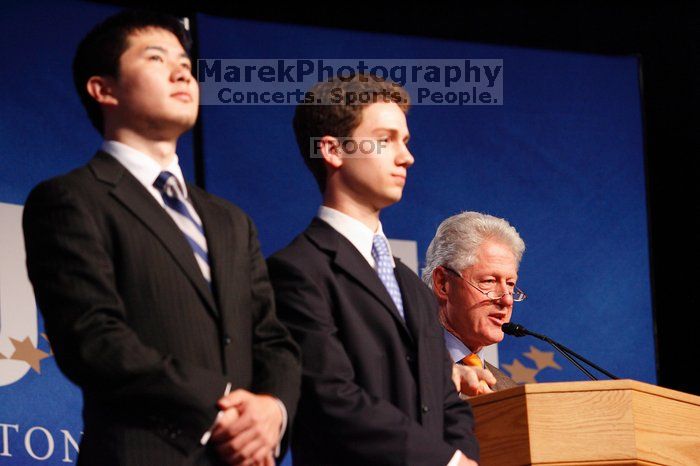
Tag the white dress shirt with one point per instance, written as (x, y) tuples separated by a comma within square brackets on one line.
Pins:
[(355, 231), (143, 167), (457, 349)]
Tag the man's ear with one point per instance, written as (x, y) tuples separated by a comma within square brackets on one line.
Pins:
[(101, 88), (329, 149), (440, 285)]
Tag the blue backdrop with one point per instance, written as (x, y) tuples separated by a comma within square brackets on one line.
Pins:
[(562, 160)]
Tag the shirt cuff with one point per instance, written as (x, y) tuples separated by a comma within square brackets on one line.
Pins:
[(283, 428), (455, 459), (207, 435)]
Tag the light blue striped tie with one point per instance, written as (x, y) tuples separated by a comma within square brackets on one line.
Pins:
[(185, 217), (385, 270)]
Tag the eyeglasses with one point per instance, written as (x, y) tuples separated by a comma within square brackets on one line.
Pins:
[(517, 294)]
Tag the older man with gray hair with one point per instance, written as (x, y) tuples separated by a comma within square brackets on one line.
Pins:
[(472, 268)]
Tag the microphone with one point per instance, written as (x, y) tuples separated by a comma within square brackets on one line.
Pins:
[(518, 330)]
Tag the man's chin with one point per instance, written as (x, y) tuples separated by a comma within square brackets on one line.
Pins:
[(187, 122), (387, 201), (394, 197), (496, 336), (182, 124)]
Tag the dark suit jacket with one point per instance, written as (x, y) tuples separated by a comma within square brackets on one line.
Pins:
[(375, 390), (132, 321), (503, 382)]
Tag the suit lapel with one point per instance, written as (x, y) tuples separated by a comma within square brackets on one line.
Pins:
[(130, 193), (503, 382), (349, 259), (410, 300)]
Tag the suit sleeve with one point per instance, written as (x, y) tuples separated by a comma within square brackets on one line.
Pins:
[(277, 369), (458, 419), (70, 267), (373, 429)]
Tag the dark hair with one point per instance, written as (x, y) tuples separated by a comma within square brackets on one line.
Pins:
[(334, 108), (99, 52)]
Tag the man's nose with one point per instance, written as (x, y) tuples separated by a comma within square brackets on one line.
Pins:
[(180, 73), (405, 157), (506, 299)]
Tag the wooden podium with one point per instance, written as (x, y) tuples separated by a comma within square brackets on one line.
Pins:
[(618, 422)]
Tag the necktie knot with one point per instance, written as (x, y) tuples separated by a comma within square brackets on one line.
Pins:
[(167, 183), (380, 250), (473, 360)]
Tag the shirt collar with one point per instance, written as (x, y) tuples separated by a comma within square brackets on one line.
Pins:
[(355, 231), (143, 167), (457, 349)]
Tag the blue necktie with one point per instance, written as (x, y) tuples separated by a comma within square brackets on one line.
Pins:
[(185, 217), (385, 270)]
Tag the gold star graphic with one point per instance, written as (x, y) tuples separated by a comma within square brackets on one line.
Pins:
[(520, 373), (542, 358), (27, 352)]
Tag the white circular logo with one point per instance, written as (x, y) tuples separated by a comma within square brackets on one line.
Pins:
[(19, 331)]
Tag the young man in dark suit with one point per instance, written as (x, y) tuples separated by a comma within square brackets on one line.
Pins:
[(376, 387), (154, 293)]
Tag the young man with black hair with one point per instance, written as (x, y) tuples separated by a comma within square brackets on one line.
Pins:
[(154, 293), (376, 378)]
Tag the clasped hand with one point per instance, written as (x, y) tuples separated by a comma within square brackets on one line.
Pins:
[(247, 429)]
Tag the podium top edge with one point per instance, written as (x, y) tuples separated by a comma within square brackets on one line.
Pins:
[(585, 386)]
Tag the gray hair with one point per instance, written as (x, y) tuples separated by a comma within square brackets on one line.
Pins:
[(458, 238)]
